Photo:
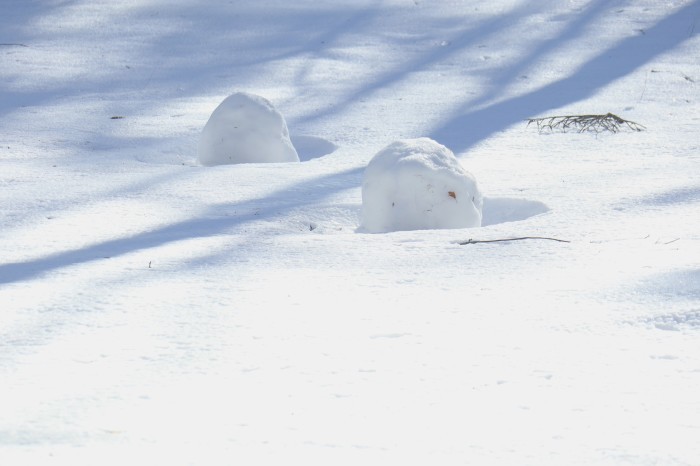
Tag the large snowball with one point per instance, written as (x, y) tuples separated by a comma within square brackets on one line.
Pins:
[(418, 184), (245, 128)]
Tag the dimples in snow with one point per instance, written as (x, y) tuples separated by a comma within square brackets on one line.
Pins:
[(245, 128), (418, 184)]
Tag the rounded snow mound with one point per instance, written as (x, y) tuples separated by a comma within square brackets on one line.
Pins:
[(418, 184), (245, 128)]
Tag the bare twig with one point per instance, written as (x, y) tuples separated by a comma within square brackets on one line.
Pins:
[(14, 45), (475, 241), (583, 123)]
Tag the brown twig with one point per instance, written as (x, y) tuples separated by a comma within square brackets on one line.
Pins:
[(499, 240)]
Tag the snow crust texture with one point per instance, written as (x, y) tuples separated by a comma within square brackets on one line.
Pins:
[(245, 128), (418, 184)]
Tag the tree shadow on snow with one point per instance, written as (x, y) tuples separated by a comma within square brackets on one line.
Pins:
[(467, 127), (214, 223), (462, 130), (678, 196)]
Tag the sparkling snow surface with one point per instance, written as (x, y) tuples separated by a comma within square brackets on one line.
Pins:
[(157, 311)]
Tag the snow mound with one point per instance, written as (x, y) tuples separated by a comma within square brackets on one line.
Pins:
[(245, 128), (417, 184)]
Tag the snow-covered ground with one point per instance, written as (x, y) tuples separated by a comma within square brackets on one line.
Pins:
[(156, 311)]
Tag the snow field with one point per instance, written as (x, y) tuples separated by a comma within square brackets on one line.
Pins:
[(156, 311)]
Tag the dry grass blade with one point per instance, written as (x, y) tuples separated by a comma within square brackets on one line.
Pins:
[(584, 123)]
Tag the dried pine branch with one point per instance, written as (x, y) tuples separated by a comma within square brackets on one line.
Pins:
[(584, 123)]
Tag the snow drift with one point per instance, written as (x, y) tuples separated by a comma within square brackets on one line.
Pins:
[(245, 128), (417, 184)]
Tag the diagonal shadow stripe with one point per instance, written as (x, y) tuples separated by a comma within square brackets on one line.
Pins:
[(271, 206), (467, 128)]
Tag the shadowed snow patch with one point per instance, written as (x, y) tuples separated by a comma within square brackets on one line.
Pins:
[(677, 285), (312, 147), (167, 158), (676, 321), (504, 209)]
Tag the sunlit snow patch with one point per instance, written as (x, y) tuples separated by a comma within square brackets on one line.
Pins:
[(245, 128), (417, 184)]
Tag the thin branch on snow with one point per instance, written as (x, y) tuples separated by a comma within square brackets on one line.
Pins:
[(475, 241), (584, 123), (14, 45)]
